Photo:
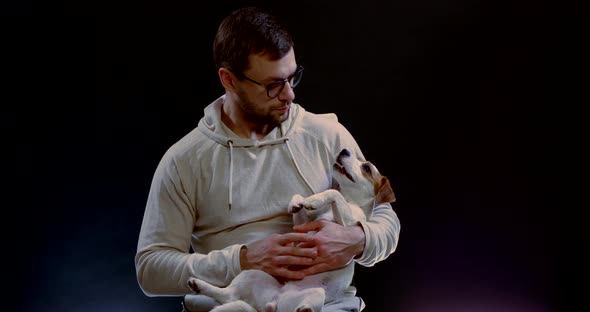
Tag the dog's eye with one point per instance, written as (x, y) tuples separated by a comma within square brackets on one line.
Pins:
[(366, 168)]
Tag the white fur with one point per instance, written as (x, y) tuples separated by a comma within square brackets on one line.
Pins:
[(352, 202)]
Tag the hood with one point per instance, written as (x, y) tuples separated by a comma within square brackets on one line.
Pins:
[(212, 126)]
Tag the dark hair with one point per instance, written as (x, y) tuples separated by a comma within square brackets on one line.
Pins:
[(248, 31)]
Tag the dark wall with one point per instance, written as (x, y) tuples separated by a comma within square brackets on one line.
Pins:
[(456, 102)]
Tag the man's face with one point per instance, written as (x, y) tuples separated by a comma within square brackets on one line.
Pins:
[(256, 105)]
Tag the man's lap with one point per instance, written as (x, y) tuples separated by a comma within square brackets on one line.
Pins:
[(200, 303)]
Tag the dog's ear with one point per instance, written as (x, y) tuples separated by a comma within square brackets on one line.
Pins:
[(384, 193)]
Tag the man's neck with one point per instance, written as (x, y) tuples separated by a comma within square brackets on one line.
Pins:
[(241, 127)]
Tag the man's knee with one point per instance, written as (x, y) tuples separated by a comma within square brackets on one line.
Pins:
[(346, 304)]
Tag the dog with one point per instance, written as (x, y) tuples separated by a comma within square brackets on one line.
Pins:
[(357, 188)]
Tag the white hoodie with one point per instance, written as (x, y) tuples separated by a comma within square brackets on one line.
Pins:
[(215, 192)]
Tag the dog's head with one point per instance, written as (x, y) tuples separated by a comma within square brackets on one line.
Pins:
[(360, 181)]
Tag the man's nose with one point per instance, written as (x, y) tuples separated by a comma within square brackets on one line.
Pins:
[(287, 94)]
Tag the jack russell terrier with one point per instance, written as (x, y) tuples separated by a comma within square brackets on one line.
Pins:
[(358, 188)]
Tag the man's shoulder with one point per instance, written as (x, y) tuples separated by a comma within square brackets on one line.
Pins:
[(328, 116), (191, 143), (321, 124)]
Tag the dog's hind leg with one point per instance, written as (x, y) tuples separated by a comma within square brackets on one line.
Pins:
[(223, 295)]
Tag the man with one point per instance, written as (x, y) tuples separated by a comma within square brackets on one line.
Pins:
[(223, 189)]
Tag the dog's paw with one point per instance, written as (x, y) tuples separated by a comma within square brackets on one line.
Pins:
[(296, 203), (194, 285), (295, 209)]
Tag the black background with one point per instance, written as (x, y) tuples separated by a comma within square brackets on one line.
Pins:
[(464, 105)]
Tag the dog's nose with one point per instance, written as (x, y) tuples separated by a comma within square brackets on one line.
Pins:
[(345, 153)]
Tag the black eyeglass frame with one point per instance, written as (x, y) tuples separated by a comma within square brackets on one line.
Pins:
[(274, 84)]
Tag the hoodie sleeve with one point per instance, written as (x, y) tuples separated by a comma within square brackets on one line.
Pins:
[(163, 260), (382, 233)]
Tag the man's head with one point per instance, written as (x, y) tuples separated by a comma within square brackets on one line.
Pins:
[(256, 64), (249, 31)]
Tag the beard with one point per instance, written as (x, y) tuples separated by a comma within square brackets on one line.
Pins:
[(260, 113)]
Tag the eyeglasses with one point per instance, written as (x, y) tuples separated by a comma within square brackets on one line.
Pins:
[(273, 89)]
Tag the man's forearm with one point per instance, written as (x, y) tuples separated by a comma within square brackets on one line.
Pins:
[(165, 272), (382, 234)]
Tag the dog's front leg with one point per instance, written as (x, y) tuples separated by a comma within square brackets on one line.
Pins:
[(322, 202), (340, 208), (313, 205)]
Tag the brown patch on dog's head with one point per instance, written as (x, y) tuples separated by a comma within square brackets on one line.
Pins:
[(382, 188), (369, 170), (383, 191)]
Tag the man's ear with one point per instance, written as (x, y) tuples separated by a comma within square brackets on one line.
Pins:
[(226, 78), (385, 192)]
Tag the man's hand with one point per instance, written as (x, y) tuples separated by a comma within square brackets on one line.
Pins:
[(277, 252), (336, 245)]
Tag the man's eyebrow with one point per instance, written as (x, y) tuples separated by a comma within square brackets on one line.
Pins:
[(275, 79)]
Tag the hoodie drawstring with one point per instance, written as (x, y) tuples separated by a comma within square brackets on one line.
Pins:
[(230, 143), (297, 166), (231, 170)]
